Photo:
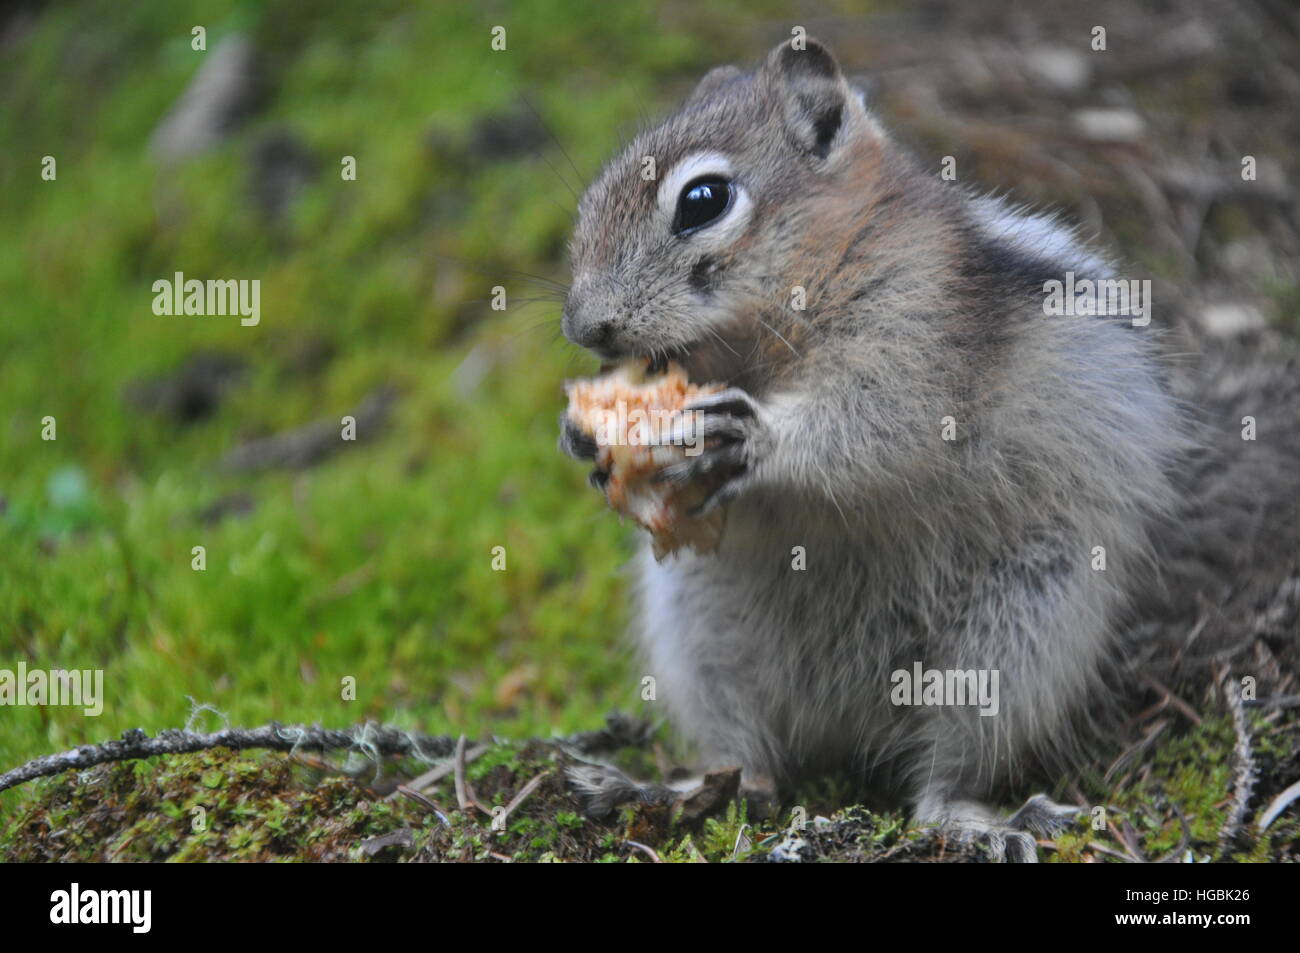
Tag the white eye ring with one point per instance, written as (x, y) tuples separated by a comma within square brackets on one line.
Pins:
[(699, 165), (695, 166)]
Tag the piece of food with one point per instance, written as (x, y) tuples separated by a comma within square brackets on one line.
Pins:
[(629, 413)]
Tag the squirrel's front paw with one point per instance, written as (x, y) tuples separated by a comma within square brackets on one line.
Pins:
[(579, 445), (726, 436), (573, 442)]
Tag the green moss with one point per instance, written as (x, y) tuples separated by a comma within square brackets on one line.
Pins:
[(1178, 803), (224, 806), (375, 565)]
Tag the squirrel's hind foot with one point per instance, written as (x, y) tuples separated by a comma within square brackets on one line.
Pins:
[(1011, 840)]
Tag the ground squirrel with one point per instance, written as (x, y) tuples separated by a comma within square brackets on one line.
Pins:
[(923, 465)]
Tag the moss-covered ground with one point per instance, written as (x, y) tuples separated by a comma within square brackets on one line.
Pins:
[(363, 586)]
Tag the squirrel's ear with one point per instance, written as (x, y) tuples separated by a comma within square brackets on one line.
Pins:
[(812, 92), (714, 80)]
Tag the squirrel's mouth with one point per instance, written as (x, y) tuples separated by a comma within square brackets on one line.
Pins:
[(659, 360), (655, 363)]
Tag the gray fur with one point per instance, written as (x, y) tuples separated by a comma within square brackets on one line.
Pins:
[(924, 301)]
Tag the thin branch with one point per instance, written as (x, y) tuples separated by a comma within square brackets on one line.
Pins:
[(1278, 805), (1103, 849), (465, 796), (431, 777), (369, 738), (1188, 711), (1274, 701), (649, 851), (425, 802), (518, 799), (1244, 777)]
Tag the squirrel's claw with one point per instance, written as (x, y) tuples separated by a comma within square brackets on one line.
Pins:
[(727, 424), (726, 458), (732, 402), (1010, 840), (573, 442)]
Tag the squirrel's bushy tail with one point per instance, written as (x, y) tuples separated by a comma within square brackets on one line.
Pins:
[(1228, 592)]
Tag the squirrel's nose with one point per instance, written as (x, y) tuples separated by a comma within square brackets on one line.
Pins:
[(582, 330), (596, 335)]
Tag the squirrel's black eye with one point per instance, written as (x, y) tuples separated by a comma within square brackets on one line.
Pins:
[(701, 202)]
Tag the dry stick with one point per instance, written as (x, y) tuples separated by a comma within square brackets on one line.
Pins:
[(1274, 701), (1278, 805), (1126, 835), (462, 789), (425, 802), (434, 775), (1103, 849), (654, 858), (1244, 779), (1136, 750), (519, 798), (377, 740), (465, 796), (1146, 714), (1173, 699), (430, 778)]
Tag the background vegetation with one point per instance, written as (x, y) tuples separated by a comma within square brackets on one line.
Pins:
[(375, 561)]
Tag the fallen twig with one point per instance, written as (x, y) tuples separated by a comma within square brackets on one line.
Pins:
[(1274, 701), (370, 738), (1243, 784), (1126, 835), (1136, 750), (1103, 849), (1278, 805), (431, 777), (465, 797), (519, 798), (425, 802), (1173, 699), (649, 851)]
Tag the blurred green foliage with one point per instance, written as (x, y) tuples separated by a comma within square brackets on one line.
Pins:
[(377, 563)]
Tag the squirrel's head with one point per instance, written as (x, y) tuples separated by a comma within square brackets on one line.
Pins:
[(696, 225)]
